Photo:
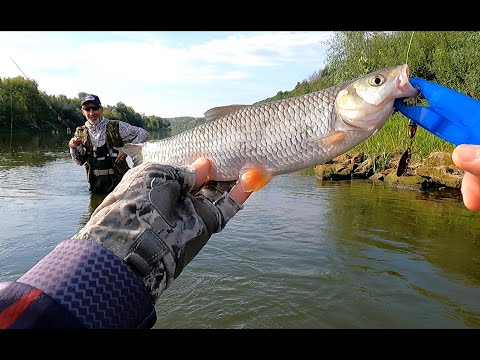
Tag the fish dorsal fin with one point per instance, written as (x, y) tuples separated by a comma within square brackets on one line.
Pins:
[(220, 111)]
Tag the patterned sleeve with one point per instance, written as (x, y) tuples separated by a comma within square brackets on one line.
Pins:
[(132, 134), (77, 285)]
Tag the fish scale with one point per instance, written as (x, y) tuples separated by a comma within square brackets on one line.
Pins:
[(286, 135), (277, 138)]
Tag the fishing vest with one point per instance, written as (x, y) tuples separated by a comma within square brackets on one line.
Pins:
[(103, 173)]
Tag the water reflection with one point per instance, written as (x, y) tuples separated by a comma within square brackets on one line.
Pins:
[(36, 149), (31, 149), (408, 241), (303, 253), (95, 200)]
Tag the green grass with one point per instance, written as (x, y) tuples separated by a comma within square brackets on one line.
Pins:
[(393, 139)]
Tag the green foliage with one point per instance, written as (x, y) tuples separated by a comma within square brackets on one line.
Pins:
[(24, 107), (448, 58), (19, 101), (153, 122), (181, 124)]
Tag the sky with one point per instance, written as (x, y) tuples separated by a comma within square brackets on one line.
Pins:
[(164, 73)]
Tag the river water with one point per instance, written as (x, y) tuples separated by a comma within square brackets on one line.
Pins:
[(303, 253)]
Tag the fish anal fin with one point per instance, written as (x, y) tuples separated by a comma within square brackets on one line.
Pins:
[(333, 138), (220, 111), (254, 177)]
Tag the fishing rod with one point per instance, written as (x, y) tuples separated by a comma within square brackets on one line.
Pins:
[(59, 118)]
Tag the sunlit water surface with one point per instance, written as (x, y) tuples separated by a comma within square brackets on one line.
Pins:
[(302, 253)]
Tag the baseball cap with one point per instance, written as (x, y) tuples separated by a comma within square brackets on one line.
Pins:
[(91, 98)]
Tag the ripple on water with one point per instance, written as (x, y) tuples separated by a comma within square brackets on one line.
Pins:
[(301, 254)]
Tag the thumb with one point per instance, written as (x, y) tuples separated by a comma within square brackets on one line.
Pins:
[(467, 158)]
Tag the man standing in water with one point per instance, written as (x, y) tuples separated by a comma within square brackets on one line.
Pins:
[(94, 145)]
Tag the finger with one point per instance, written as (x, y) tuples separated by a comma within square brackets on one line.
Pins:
[(238, 193), (202, 168), (471, 191), (467, 158)]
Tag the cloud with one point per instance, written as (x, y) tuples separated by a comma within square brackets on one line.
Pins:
[(164, 73)]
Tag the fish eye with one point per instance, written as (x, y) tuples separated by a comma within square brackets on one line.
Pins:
[(377, 80)]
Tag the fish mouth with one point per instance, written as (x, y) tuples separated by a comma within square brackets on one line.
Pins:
[(403, 84)]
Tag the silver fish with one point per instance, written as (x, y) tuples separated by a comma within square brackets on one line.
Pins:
[(287, 135)]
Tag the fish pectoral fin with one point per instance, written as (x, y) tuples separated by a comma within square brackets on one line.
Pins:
[(331, 139), (220, 111), (254, 177), (134, 151)]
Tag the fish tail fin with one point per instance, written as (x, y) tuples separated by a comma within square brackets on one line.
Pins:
[(254, 177), (134, 151)]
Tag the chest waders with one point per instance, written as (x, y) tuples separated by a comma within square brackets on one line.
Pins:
[(103, 173)]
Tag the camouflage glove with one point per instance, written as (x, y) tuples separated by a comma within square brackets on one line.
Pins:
[(156, 225), (213, 190)]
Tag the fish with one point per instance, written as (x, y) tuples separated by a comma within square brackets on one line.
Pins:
[(258, 142)]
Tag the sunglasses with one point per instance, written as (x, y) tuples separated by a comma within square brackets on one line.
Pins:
[(88, 108)]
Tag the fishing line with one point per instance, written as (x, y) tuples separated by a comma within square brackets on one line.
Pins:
[(59, 118), (409, 45)]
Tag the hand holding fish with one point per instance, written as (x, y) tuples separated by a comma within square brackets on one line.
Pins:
[(140, 238), (451, 115), (156, 224)]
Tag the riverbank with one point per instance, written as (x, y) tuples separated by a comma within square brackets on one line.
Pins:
[(437, 171)]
